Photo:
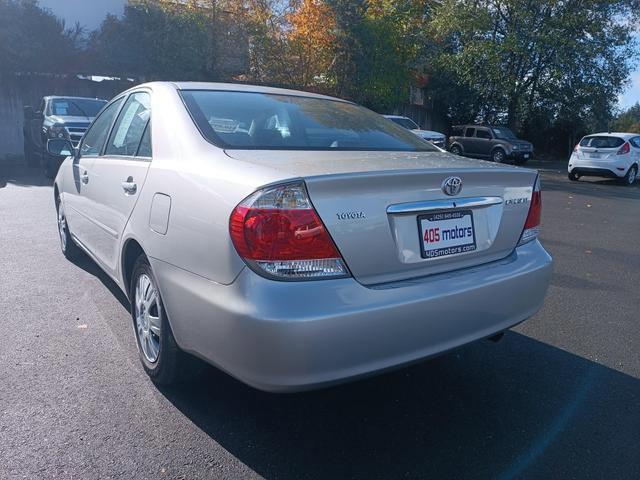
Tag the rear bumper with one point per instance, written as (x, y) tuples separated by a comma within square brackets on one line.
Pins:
[(593, 168), (280, 336)]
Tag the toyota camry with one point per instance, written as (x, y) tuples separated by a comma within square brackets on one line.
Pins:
[(295, 240)]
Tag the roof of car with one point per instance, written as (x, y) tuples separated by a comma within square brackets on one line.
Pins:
[(243, 87), (625, 135), (55, 97)]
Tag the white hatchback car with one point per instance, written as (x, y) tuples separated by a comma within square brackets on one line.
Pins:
[(612, 155)]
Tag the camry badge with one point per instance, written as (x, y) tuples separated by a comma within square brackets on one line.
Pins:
[(452, 186)]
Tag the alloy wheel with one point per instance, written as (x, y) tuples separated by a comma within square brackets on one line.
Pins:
[(62, 228), (148, 317)]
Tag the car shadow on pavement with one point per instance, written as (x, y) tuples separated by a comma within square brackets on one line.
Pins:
[(84, 262), (592, 187), (517, 409), (23, 176)]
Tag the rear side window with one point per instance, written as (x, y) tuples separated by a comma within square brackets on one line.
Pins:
[(601, 141), (483, 134), (635, 141), (470, 132), (130, 126), (95, 137), (145, 144), (265, 121)]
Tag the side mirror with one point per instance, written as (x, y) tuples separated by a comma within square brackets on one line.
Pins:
[(60, 147)]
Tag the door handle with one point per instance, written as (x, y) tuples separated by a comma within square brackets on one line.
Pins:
[(129, 186), (85, 177)]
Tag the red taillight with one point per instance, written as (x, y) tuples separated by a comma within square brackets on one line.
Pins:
[(272, 234), (532, 224), (278, 231), (624, 149)]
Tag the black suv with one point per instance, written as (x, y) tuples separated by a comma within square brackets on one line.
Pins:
[(56, 117), (493, 143)]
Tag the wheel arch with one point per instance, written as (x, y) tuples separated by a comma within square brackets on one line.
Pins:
[(457, 144), (130, 252)]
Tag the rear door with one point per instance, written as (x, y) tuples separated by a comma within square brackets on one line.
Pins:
[(117, 176), (78, 209)]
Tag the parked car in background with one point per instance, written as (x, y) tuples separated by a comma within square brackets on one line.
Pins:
[(611, 155), (437, 138), (56, 117), (498, 144), (295, 240)]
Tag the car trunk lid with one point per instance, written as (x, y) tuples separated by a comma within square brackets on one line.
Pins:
[(378, 205)]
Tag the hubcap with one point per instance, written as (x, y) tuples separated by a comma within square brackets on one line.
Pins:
[(498, 157), (62, 228), (147, 312), (632, 175)]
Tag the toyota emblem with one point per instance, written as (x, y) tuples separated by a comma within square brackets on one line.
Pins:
[(452, 186)]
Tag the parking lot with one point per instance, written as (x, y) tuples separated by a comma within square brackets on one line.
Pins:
[(559, 397)]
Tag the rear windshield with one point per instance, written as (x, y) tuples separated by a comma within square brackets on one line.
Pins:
[(405, 122), (250, 120), (601, 141), (76, 107)]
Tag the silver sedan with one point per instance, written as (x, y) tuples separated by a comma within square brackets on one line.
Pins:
[(295, 240)]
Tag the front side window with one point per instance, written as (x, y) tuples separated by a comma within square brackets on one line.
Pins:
[(251, 120), (503, 133), (127, 132), (95, 137)]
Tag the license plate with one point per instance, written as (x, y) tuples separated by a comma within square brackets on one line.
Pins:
[(446, 233), (594, 155), (526, 155)]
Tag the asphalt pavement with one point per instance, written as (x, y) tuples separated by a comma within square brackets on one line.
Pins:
[(559, 397)]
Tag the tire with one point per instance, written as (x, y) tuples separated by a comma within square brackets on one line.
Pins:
[(456, 150), (498, 155), (159, 353), (630, 178), (67, 245), (573, 177)]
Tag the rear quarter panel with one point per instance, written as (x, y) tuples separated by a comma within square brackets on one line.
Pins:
[(204, 186)]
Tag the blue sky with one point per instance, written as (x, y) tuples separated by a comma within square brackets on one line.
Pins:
[(89, 13)]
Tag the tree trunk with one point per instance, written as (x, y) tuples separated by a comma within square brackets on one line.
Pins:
[(512, 112)]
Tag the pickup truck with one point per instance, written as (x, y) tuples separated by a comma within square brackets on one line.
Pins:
[(56, 117)]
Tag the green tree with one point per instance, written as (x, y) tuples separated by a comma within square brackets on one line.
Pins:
[(628, 121), (34, 40), (519, 56)]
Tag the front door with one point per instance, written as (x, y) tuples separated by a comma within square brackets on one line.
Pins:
[(483, 142), (118, 175)]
